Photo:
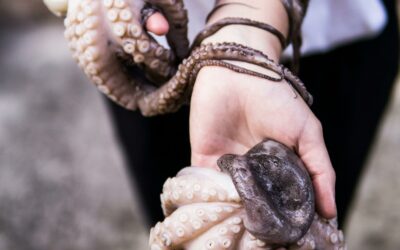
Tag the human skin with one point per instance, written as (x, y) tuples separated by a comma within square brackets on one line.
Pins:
[(231, 112)]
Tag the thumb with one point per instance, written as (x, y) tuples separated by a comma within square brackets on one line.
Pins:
[(313, 152), (157, 24)]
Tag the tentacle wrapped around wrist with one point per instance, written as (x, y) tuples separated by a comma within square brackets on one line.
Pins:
[(262, 200), (110, 44)]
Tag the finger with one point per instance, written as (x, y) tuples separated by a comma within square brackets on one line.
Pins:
[(157, 24), (314, 154)]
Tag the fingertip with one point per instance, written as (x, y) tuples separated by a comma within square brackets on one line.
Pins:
[(325, 196), (157, 24), (314, 154)]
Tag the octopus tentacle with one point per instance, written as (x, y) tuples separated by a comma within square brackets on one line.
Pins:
[(176, 15), (192, 188), (235, 68), (169, 96), (138, 45), (190, 221), (225, 235), (323, 234), (298, 85), (215, 27), (89, 42), (111, 45), (296, 10), (59, 7), (249, 241)]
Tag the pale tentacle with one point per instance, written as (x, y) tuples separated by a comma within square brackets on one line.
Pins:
[(58, 7), (250, 242), (89, 41), (323, 234), (224, 235), (138, 46), (188, 222), (193, 188)]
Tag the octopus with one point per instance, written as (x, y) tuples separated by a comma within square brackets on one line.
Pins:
[(261, 200), (109, 41)]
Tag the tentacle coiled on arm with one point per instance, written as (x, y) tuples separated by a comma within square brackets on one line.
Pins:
[(109, 42), (296, 10)]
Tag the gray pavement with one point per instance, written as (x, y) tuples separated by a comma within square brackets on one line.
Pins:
[(62, 181)]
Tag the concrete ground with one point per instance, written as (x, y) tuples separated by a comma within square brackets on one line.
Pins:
[(62, 179)]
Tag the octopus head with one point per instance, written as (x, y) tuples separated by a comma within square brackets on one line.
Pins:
[(275, 189)]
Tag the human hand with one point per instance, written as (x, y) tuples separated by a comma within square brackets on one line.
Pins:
[(231, 112)]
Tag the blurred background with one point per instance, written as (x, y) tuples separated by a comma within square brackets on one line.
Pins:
[(62, 179)]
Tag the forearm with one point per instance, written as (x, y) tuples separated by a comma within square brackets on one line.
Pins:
[(270, 12)]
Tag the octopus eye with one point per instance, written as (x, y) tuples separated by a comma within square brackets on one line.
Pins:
[(274, 161)]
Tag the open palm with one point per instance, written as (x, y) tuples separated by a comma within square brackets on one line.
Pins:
[(231, 112)]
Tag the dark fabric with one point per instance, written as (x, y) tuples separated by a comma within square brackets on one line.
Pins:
[(155, 148), (351, 86)]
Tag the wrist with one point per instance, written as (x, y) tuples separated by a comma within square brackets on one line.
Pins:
[(269, 12)]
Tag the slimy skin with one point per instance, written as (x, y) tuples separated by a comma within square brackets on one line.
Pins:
[(109, 42), (276, 192), (261, 200)]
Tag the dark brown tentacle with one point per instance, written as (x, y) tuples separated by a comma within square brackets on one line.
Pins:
[(296, 10), (175, 92), (219, 6), (176, 14), (215, 27), (298, 85)]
